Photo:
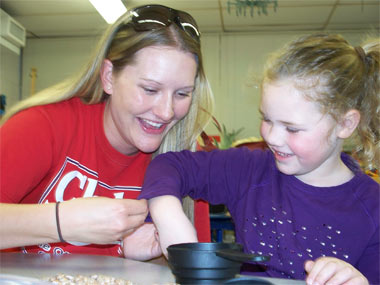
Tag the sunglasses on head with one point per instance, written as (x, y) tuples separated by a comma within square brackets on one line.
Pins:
[(150, 17)]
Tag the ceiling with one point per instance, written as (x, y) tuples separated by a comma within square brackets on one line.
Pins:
[(73, 18)]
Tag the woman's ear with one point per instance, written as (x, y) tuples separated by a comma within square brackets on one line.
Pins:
[(348, 123), (106, 76)]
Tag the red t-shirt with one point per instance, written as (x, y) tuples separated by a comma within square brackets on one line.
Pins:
[(59, 152)]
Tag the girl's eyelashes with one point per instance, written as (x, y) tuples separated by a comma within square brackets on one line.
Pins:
[(288, 128), (292, 130), (264, 119)]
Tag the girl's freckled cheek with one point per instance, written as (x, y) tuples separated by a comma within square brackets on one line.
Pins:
[(300, 146)]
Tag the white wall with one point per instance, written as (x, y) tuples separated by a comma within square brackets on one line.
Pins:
[(54, 59), (9, 71), (231, 60)]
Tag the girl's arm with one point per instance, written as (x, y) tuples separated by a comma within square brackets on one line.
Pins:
[(171, 222), (142, 244), (216, 176)]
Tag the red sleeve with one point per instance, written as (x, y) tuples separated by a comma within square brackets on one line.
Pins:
[(26, 147), (202, 220)]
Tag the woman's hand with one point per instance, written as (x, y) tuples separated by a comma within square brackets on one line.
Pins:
[(142, 244), (97, 220), (333, 271), (100, 220)]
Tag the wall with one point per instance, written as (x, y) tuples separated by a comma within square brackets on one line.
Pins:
[(54, 59), (9, 72), (231, 61)]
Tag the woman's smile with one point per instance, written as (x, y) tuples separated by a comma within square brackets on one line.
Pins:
[(148, 98), (151, 127)]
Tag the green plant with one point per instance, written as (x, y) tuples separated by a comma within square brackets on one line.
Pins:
[(226, 137)]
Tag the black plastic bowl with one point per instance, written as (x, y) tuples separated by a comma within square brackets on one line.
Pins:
[(208, 263), (248, 281)]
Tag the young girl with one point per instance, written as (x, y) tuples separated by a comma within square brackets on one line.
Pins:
[(302, 202)]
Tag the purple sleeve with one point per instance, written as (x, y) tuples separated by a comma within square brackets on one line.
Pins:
[(213, 176), (369, 262), (369, 196)]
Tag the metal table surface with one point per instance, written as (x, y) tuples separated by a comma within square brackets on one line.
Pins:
[(37, 266), (40, 267)]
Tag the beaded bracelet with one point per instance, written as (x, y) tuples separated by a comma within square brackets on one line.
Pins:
[(57, 220)]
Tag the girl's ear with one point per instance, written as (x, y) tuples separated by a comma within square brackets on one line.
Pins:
[(106, 76), (348, 123)]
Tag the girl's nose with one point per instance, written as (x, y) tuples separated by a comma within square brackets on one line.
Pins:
[(273, 135), (164, 108)]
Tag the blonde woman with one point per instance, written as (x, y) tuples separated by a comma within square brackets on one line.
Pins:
[(73, 157)]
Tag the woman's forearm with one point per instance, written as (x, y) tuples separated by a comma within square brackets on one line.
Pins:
[(27, 224), (97, 220)]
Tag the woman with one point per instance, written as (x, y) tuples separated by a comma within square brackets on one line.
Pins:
[(67, 151)]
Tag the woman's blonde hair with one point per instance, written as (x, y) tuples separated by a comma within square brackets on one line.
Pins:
[(339, 77), (119, 44)]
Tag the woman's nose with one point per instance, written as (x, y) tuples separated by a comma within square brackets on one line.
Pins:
[(164, 108)]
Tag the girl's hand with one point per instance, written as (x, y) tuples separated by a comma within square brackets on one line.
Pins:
[(333, 271), (142, 244)]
